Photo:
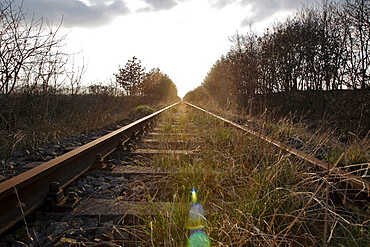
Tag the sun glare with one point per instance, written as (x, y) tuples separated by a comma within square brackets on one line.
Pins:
[(184, 42)]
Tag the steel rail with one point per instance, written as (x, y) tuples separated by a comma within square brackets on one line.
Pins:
[(357, 182), (21, 195)]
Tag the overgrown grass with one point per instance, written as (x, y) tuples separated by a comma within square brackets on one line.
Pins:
[(28, 121), (254, 195)]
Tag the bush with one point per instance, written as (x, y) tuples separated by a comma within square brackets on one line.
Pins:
[(144, 109)]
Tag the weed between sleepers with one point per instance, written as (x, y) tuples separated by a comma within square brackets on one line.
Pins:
[(254, 195)]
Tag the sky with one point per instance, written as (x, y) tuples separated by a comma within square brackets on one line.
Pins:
[(183, 38)]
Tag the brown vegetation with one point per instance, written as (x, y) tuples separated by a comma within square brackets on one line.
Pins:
[(28, 121), (322, 48)]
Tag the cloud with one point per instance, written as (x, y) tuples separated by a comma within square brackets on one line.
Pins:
[(77, 13), (156, 5), (219, 4), (262, 9)]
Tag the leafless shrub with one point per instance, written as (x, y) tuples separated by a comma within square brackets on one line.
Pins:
[(30, 50)]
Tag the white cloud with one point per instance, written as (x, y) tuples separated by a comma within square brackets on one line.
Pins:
[(77, 13), (261, 10), (155, 5)]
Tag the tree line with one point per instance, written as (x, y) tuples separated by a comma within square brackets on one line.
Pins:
[(322, 47), (155, 84)]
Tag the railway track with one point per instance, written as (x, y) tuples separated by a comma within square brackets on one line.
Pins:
[(115, 180), (359, 185), (29, 188)]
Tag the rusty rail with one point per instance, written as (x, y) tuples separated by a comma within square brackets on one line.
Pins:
[(356, 182), (21, 195)]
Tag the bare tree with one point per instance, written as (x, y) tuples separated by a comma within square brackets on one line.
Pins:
[(356, 19), (74, 76), (30, 50)]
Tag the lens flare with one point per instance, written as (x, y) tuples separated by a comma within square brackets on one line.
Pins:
[(196, 223), (196, 220), (194, 198), (199, 239)]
